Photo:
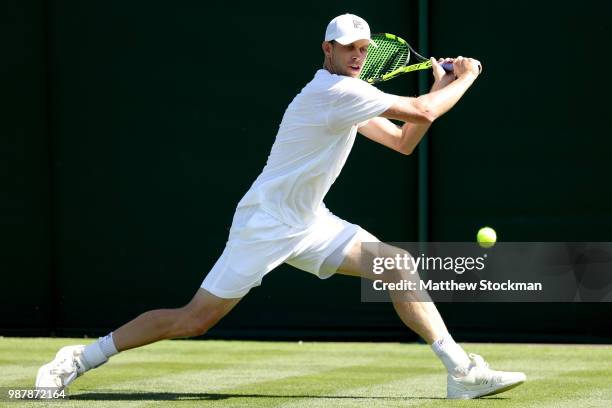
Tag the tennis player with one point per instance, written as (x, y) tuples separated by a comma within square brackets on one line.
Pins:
[(282, 217)]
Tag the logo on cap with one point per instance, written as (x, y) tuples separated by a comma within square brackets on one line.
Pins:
[(358, 24)]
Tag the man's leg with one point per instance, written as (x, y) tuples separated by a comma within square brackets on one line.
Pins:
[(414, 308), (468, 376), (194, 319)]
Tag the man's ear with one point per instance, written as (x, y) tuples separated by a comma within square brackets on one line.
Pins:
[(327, 47)]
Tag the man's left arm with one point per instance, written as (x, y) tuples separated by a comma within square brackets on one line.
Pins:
[(401, 139)]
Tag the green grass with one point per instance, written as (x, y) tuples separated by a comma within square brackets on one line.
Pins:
[(282, 374)]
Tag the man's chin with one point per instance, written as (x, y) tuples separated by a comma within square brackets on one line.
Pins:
[(349, 72), (352, 73)]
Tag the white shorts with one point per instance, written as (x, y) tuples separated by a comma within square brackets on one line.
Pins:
[(259, 242)]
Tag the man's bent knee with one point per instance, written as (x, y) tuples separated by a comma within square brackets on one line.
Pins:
[(202, 313), (191, 325)]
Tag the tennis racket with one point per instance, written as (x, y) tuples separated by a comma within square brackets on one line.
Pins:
[(390, 58)]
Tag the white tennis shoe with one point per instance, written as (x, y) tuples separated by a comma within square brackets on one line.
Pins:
[(67, 365), (479, 380)]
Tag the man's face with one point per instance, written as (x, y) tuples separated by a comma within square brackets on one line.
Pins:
[(346, 59)]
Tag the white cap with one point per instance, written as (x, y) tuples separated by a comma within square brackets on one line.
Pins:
[(347, 29)]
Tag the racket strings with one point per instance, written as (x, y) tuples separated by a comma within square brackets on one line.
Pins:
[(389, 62), (388, 56)]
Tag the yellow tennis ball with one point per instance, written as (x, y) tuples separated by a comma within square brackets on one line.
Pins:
[(486, 237)]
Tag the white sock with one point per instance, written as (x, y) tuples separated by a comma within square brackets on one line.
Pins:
[(98, 353), (107, 344), (451, 354)]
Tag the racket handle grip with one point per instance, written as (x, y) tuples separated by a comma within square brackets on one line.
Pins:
[(448, 66)]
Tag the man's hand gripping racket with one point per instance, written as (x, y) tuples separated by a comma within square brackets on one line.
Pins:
[(392, 56)]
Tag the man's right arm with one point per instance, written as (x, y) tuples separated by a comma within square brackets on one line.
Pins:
[(428, 107)]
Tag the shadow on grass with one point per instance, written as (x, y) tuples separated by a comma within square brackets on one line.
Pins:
[(186, 396)]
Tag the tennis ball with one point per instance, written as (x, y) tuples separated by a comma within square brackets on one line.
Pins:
[(486, 237)]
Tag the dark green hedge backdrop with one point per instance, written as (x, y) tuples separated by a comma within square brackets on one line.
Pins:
[(131, 129)]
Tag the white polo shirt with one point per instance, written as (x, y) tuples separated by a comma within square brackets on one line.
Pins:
[(313, 142)]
